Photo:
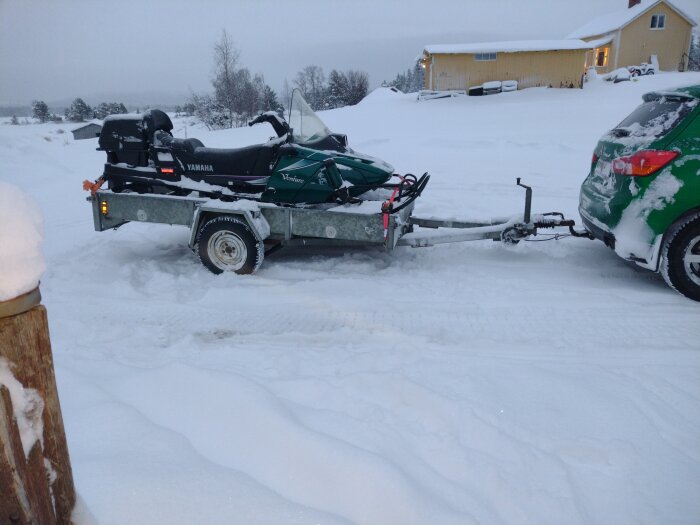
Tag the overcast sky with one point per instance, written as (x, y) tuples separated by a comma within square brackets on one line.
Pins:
[(117, 49)]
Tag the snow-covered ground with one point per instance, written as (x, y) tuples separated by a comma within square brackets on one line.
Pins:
[(543, 383)]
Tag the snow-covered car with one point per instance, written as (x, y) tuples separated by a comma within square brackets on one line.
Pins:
[(642, 69), (642, 195), (509, 85), (492, 88), (618, 75)]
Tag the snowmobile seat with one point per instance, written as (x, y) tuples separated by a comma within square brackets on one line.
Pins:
[(251, 160), (247, 161), (186, 145)]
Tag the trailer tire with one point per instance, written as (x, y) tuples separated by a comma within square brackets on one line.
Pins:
[(678, 270), (227, 244)]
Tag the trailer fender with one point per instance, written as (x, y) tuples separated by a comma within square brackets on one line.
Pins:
[(245, 210)]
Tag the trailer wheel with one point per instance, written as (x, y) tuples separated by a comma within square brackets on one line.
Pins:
[(680, 258), (227, 244)]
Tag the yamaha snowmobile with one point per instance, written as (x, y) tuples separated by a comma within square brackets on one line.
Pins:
[(304, 164)]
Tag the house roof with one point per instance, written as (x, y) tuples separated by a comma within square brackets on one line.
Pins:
[(515, 46), (614, 21), (88, 124)]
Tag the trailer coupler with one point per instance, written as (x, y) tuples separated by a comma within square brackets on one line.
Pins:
[(561, 221)]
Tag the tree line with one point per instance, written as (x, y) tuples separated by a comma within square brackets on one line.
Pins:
[(78, 111), (409, 82), (238, 95)]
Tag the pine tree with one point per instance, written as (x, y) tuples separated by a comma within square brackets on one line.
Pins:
[(14, 121), (79, 111), (337, 89), (40, 110), (270, 101)]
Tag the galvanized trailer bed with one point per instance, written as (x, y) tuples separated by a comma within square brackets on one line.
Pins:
[(234, 236)]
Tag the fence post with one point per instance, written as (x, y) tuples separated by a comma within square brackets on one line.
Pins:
[(38, 488)]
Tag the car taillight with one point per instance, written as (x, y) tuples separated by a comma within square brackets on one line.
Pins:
[(642, 163)]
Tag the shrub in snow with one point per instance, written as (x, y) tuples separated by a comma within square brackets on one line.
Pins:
[(21, 260)]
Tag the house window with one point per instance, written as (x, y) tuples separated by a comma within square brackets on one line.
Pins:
[(601, 58), (658, 21), (481, 57)]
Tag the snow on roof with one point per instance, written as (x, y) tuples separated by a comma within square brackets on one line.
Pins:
[(614, 21), (89, 123), (508, 46)]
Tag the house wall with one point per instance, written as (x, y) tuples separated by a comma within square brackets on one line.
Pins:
[(638, 41), (530, 69), (87, 132)]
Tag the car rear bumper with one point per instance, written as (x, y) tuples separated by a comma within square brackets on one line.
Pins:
[(599, 231)]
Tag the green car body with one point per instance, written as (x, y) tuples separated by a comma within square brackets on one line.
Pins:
[(643, 188)]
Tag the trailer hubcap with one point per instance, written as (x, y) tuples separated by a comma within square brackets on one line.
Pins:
[(691, 260), (228, 251)]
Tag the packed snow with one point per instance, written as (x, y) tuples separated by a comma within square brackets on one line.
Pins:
[(547, 382), (21, 259)]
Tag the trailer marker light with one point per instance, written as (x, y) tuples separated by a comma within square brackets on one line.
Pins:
[(103, 208), (643, 163)]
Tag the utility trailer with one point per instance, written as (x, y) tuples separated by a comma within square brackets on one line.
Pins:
[(235, 236)]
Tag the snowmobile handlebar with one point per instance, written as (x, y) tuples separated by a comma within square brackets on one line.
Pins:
[(279, 124)]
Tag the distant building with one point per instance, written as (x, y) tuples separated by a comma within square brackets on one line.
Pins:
[(90, 130), (645, 31), (556, 63), (646, 28)]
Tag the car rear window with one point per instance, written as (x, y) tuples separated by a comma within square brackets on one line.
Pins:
[(655, 118)]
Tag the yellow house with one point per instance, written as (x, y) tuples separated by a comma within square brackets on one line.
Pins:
[(628, 37), (647, 29), (555, 63)]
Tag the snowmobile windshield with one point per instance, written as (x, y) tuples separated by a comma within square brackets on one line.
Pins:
[(305, 124)]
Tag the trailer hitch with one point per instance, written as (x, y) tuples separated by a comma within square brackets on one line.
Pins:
[(562, 221)]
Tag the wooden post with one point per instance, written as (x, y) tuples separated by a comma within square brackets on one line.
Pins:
[(27, 495)]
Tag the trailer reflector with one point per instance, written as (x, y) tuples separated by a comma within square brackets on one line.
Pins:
[(104, 208)]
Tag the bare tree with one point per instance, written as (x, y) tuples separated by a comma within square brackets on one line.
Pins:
[(286, 93), (311, 83), (358, 85), (225, 78)]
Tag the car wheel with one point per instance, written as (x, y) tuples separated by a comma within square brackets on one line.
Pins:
[(227, 244), (635, 72), (680, 258), (650, 72)]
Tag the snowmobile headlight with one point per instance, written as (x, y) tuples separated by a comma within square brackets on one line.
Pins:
[(103, 208)]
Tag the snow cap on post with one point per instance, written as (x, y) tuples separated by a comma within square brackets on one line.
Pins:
[(21, 258)]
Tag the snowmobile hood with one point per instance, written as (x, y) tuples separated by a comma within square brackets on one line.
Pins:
[(363, 162)]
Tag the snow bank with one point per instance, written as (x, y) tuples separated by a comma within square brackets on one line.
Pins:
[(27, 405), (381, 95), (21, 260)]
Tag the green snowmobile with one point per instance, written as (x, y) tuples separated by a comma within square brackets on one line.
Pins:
[(305, 164)]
